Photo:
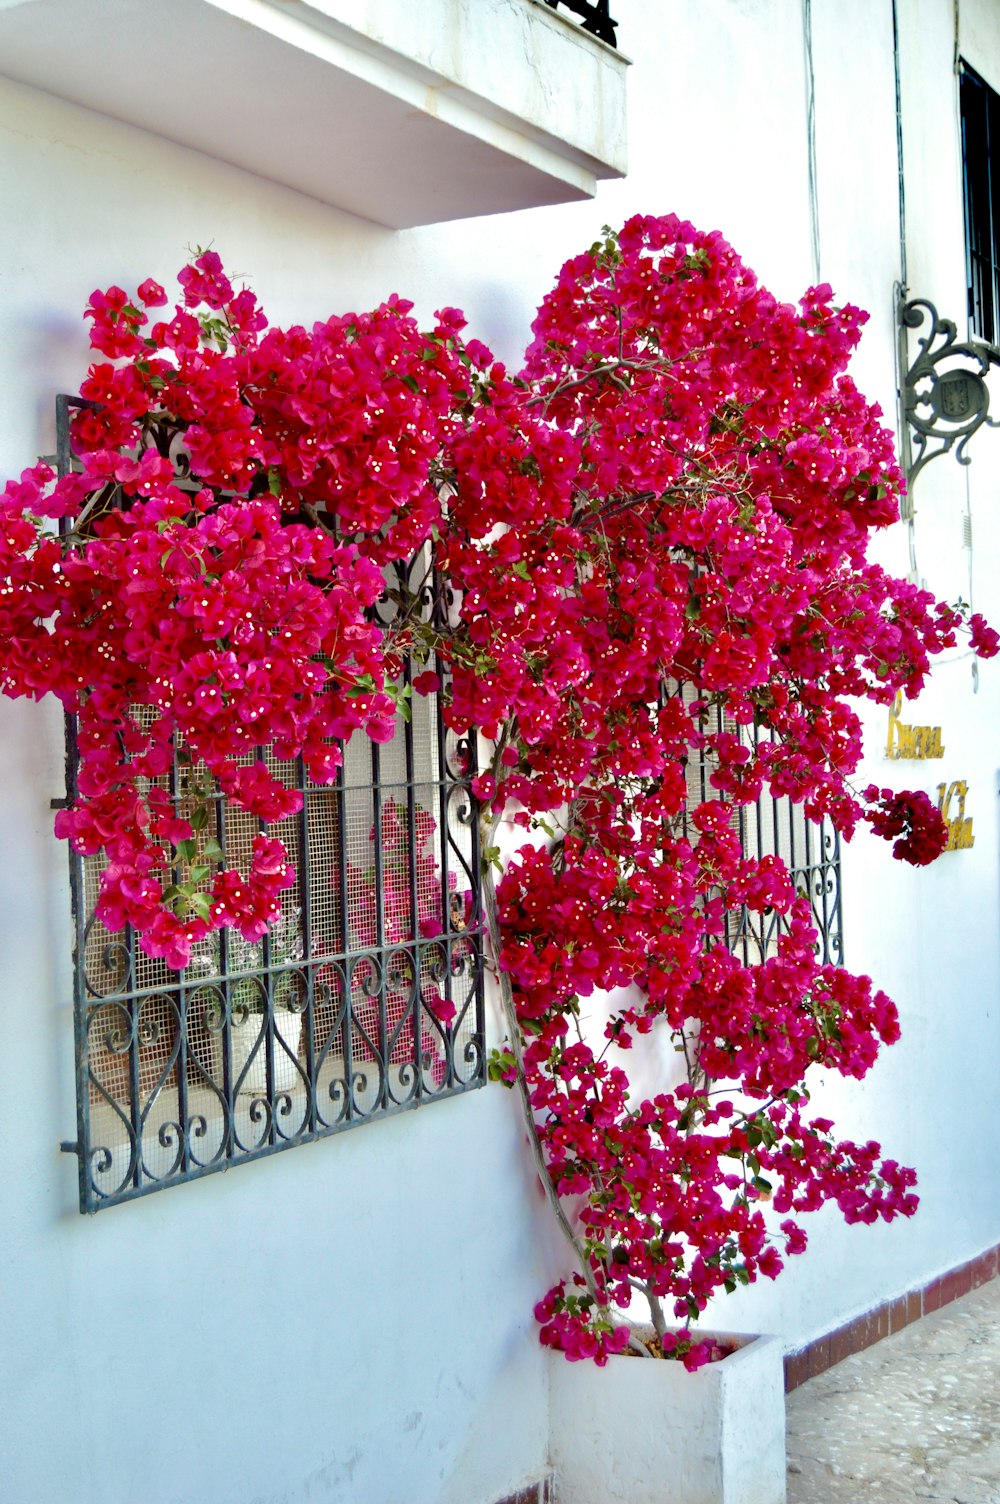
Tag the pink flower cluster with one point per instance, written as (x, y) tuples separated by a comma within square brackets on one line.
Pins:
[(231, 613), (914, 825), (654, 542)]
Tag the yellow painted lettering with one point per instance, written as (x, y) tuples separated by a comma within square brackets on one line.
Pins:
[(894, 713)]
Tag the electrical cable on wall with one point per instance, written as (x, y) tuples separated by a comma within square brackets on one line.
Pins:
[(811, 136), (899, 294), (899, 146)]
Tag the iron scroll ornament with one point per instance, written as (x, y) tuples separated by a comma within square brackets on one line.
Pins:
[(594, 16), (943, 403)]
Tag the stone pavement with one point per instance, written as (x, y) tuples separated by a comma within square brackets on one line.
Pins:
[(915, 1417)]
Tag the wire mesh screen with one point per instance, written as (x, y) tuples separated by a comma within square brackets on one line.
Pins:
[(775, 827), (364, 999)]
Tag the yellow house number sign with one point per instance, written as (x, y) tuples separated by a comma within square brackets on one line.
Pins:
[(960, 836), (912, 742)]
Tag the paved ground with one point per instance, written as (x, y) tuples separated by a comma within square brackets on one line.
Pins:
[(915, 1417)]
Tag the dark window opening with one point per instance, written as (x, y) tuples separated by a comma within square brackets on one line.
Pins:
[(980, 111)]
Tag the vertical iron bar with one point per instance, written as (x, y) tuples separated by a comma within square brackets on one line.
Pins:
[(837, 914), (345, 1003), (182, 1009), (445, 837), (817, 893), (133, 1007), (383, 960), (77, 889), (265, 978), (758, 815), (64, 451), (306, 920), (411, 847), (229, 1147), (80, 1034)]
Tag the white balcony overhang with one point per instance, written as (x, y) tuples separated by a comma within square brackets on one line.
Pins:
[(405, 112)]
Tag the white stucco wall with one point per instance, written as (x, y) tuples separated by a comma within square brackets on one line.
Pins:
[(351, 1321), (929, 938)]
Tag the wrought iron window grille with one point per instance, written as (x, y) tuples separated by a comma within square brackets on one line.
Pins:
[(595, 17), (364, 1000), (776, 827)]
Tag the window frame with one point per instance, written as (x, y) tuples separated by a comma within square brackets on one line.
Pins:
[(979, 117)]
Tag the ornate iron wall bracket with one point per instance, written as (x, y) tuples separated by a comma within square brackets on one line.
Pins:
[(944, 397), (594, 16)]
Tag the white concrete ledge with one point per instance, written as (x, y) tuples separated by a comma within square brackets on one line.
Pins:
[(397, 112)]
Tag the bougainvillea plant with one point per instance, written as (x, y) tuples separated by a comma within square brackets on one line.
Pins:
[(655, 541)]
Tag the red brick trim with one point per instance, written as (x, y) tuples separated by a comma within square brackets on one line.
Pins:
[(890, 1317), (542, 1492)]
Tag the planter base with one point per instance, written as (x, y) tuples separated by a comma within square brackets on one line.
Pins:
[(287, 1033), (645, 1431)]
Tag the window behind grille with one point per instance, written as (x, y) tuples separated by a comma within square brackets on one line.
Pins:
[(980, 112), (366, 997)]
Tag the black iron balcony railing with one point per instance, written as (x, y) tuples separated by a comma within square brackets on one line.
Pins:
[(594, 15)]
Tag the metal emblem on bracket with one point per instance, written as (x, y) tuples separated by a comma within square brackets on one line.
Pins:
[(944, 397)]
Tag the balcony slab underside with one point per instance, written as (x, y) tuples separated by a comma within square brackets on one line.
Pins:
[(399, 113)]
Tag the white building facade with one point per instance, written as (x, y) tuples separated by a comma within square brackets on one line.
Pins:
[(351, 1321)]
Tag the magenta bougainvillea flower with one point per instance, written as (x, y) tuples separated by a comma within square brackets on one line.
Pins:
[(654, 539)]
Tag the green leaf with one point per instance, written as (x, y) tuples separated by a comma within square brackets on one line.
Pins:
[(491, 858), (187, 850), (199, 819), (199, 873), (212, 851), (201, 905), (364, 684), (500, 1065)]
